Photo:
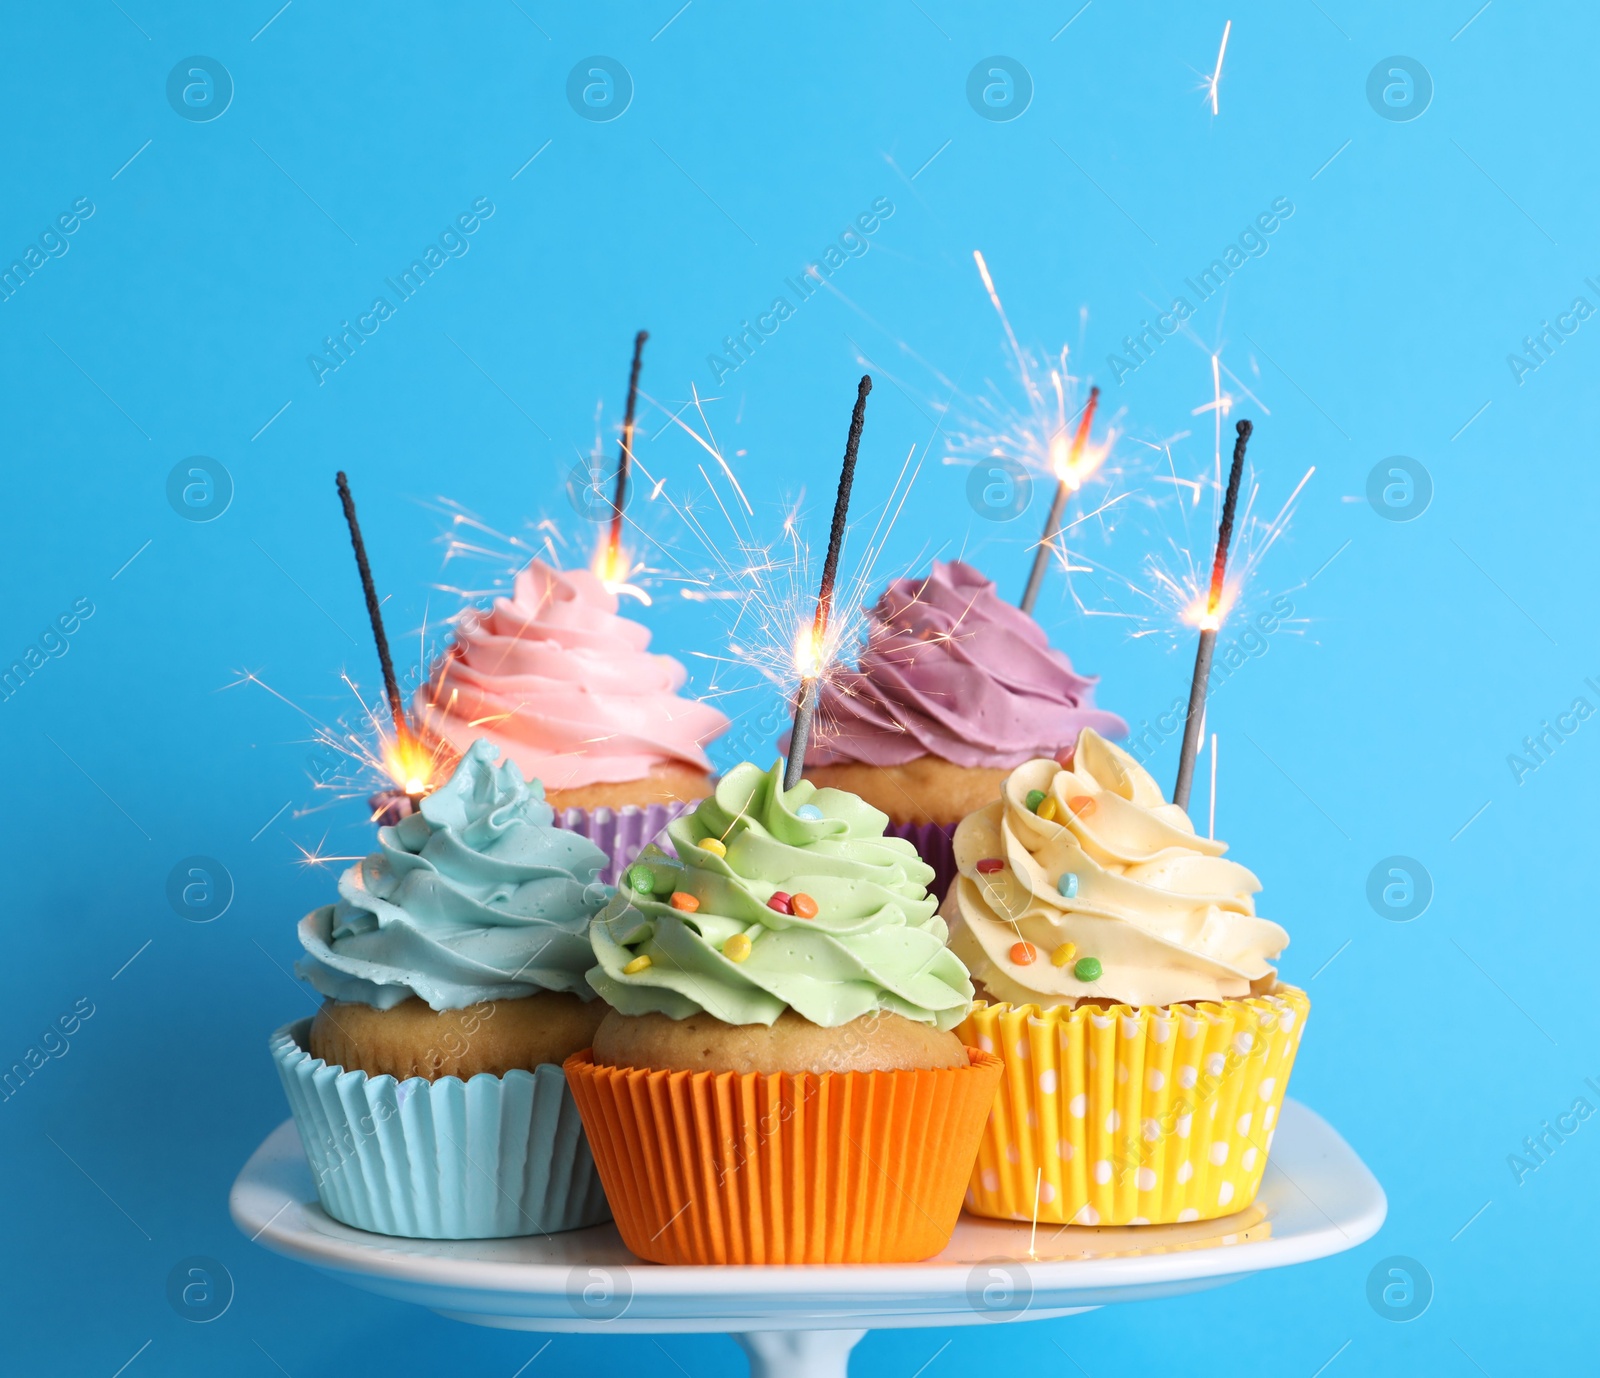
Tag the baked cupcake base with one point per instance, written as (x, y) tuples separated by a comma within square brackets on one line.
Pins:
[(729, 1167), (494, 1036), (489, 1157), (1127, 1116), (665, 784), (924, 790), (880, 1042)]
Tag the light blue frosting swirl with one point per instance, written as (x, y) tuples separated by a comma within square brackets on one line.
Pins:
[(477, 897)]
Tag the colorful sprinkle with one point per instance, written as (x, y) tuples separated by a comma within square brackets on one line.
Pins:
[(737, 948), (781, 901), (1024, 953), (1068, 884), (810, 812), (1082, 805), (687, 903), (989, 865), (1088, 969), (638, 964), (1063, 954), (714, 845), (1048, 810), (642, 879), (1035, 798), (1064, 757), (803, 906)]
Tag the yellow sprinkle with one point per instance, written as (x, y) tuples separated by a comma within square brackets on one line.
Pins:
[(1063, 954), (737, 948), (637, 965), (714, 846), (1048, 810)]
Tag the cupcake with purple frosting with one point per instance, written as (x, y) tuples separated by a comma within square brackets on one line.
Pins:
[(954, 689)]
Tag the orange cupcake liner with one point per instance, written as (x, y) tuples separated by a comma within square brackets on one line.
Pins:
[(1132, 1116), (746, 1167)]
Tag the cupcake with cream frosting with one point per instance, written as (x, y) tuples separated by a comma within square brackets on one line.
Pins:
[(1123, 972), (428, 1088), (570, 691), (777, 1080), (954, 688)]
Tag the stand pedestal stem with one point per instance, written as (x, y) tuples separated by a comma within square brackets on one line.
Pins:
[(799, 1353)]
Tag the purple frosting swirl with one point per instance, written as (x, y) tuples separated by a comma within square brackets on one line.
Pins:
[(950, 670)]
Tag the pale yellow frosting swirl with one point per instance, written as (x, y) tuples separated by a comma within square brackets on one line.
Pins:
[(1164, 915)]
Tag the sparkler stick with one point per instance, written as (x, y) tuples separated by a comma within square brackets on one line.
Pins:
[(625, 455), (811, 673), (1052, 526), (391, 687), (1209, 623)]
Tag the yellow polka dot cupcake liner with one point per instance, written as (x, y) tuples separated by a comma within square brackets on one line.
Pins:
[(1128, 1116)]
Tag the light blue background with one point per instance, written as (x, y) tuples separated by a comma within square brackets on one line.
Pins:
[(218, 259)]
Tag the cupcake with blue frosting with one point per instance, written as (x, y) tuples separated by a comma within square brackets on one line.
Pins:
[(428, 1089)]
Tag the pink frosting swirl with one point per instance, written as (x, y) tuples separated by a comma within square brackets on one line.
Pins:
[(565, 687), (951, 670)]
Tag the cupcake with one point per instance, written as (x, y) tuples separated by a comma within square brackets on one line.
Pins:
[(777, 1081), (428, 1089), (568, 691), (1127, 984), (955, 687)]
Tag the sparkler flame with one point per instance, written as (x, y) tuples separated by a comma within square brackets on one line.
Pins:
[(412, 766), (613, 566), (1075, 467), (811, 657)]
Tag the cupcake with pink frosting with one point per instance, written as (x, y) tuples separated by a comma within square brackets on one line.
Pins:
[(954, 689), (570, 691)]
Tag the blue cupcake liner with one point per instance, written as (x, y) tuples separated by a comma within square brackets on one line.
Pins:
[(487, 1158)]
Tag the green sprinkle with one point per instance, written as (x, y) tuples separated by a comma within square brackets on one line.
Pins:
[(642, 879), (1035, 798), (1087, 969)]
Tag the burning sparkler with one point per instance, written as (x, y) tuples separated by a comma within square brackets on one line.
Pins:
[(406, 759), (1050, 436), (1071, 471), (1211, 620), (810, 657), (610, 563)]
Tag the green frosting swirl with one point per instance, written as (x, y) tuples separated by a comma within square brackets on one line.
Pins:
[(875, 943)]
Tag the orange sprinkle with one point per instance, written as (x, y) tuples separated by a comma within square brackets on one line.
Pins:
[(687, 903), (803, 906), (1023, 953), (1082, 805)]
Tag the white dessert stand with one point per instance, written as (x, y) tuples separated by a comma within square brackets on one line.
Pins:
[(1318, 1199)]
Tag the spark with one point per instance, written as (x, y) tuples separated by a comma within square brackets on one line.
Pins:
[(1028, 423), (1216, 76), (370, 758), (315, 856)]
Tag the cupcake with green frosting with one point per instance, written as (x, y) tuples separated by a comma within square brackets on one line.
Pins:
[(781, 995)]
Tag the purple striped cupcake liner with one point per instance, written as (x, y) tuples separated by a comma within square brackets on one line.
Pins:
[(935, 844), (623, 833)]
